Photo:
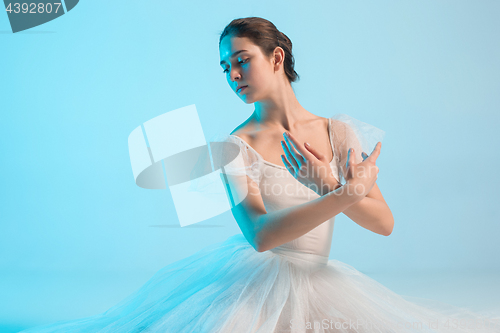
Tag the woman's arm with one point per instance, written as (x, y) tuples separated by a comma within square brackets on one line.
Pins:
[(372, 213), (282, 226), (266, 230)]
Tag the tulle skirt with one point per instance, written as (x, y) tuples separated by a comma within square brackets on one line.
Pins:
[(229, 287)]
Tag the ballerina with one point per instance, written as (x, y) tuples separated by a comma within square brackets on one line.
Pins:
[(276, 275)]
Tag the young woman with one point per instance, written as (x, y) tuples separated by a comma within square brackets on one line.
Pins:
[(296, 172)]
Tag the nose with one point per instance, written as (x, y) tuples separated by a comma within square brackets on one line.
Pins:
[(235, 75)]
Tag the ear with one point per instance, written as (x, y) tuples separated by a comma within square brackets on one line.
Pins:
[(278, 56)]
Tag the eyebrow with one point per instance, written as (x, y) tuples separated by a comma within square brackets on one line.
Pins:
[(232, 55)]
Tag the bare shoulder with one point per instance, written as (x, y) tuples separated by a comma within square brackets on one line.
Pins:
[(243, 128), (314, 125), (248, 131), (323, 120)]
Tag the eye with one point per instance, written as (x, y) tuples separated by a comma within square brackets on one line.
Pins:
[(240, 62)]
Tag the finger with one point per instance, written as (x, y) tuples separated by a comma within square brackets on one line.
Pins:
[(350, 157), (302, 152), (289, 156), (376, 151), (313, 151), (288, 166), (291, 148), (349, 162)]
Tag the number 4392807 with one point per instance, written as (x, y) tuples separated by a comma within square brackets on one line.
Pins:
[(33, 8)]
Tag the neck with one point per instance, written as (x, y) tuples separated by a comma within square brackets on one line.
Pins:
[(282, 111)]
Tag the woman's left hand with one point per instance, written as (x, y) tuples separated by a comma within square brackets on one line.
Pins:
[(308, 166)]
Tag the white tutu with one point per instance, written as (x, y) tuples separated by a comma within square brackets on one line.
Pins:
[(229, 287)]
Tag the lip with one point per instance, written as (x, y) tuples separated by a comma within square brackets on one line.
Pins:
[(242, 87)]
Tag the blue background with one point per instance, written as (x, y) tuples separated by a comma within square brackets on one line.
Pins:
[(78, 235)]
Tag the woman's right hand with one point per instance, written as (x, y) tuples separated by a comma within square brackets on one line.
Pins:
[(361, 177)]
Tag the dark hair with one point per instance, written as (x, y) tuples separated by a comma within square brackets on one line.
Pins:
[(266, 36)]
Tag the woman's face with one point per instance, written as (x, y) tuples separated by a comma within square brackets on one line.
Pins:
[(244, 64)]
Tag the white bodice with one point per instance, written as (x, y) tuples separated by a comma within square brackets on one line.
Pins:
[(279, 190)]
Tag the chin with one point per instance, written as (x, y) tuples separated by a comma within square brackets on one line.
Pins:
[(248, 100)]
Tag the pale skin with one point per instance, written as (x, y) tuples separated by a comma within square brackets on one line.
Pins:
[(277, 111)]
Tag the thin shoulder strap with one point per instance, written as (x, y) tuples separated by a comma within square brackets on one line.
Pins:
[(330, 135)]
